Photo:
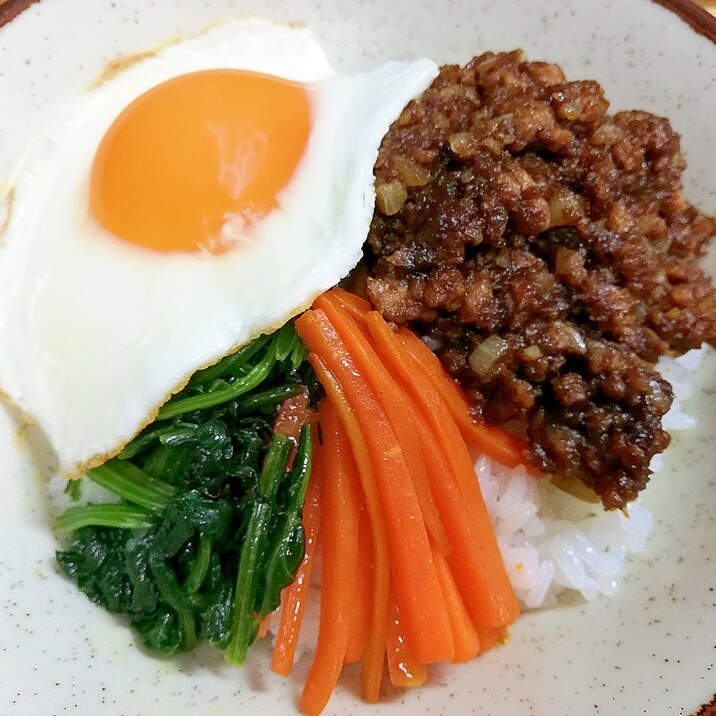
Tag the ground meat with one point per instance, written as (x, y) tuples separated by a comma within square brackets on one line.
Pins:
[(546, 248)]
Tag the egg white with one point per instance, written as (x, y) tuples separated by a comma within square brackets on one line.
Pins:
[(95, 333)]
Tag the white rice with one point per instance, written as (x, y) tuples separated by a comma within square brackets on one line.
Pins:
[(554, 543)]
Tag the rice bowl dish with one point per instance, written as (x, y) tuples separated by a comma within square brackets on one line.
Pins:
[(554, 545)]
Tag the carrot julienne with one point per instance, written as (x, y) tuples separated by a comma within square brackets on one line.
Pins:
[(293, 597), (494, 602), (339, 527), (467, 640), (412, 572), (403, 668), (263, 627), (490, 637), (374, 654), (470, 565), (349, 302), (416, 586), (360, 619), (393, 402)]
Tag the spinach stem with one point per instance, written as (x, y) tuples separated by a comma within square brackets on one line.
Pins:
[(131, 483), (245, 623), (120, 516), (144, 441), (230, 364), (199, 567), (251, 380), (188, 627), (268, 398), (274, 467), (285, 341), (301, 470)]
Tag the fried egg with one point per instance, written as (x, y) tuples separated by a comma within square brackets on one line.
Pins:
[(199, 198)]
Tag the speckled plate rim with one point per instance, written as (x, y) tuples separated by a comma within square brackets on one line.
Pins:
[(699, 19), (471, 690)]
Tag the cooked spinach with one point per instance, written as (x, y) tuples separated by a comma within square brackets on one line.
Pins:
[(207, 527)]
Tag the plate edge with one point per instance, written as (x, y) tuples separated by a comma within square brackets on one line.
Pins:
[(10, 9), (700, 20)]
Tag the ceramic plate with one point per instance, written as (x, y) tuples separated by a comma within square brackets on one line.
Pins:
[(650, 650)]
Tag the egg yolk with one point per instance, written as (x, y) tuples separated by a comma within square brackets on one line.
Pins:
[(194, 162)]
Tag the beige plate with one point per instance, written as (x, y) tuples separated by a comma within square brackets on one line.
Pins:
[(651, 650)]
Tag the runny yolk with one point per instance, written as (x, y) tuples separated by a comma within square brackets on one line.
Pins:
[(197, 158)]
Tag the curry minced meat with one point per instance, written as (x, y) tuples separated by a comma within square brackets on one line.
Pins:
[(547, 252)]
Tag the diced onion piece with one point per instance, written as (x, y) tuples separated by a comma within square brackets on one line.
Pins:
[(390, 197), (410, 173), (484, 358), (462, 144), (565, 209)]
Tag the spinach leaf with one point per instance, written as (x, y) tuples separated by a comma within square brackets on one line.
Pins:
[(207, 529)]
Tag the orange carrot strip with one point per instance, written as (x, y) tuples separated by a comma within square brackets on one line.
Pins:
[(339, 527), (374, 653), (490, 600), (403, 668), (351, 301), (488, 440), (354, 306), (293, 597), (263, 627), (417, 589), (490, 637), (392, 399), (467, 641), (465, 558), (360, 619)]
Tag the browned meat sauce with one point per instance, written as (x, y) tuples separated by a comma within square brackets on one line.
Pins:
[(547, 251)]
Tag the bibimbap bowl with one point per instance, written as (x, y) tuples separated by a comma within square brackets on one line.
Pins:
[(648, 648)]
